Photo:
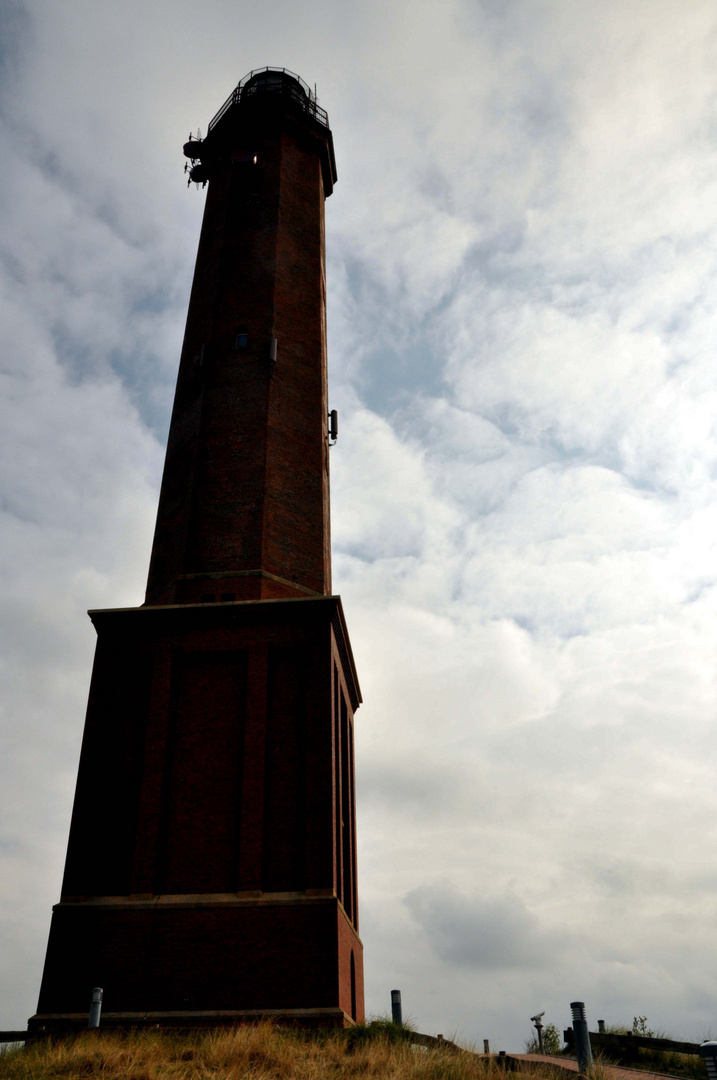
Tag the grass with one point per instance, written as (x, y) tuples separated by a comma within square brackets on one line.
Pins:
[(244, 1053)]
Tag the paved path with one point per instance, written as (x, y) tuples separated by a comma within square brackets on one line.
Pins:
[(616, 1072)]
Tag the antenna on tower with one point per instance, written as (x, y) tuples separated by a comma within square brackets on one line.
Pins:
[(193, 150)]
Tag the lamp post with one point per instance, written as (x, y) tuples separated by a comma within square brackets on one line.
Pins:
[(708, 1053), (95, 1008), (582, 1036)]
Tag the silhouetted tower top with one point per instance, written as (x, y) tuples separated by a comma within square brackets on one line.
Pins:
[(244, 506)]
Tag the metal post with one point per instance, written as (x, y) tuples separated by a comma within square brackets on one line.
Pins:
[(486, 1046), (95, 1008), (396, 1012), (708, 1053), (582, 1036)]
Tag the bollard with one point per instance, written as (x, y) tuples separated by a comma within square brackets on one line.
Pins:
[(95, 1008), (708, 1053), (582, 1036), (486, 1046), (396, 1012), (601, 1027)]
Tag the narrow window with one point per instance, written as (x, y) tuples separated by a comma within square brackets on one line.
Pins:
[(353, 986), (241, 339)]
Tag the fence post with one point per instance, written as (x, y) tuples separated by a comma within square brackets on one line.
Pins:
[(582, 1036), (396, 1011), (486, 1046), (95, 1008), (601, 1027), (708, 1053)]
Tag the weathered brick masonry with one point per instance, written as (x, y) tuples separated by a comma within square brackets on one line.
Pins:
[(211, 866)]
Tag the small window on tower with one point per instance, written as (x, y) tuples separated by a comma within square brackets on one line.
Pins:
[(242, 338)]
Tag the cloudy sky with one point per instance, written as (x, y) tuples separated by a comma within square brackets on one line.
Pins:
[(522, 261)]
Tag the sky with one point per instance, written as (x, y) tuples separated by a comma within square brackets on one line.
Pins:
[(522, 287)]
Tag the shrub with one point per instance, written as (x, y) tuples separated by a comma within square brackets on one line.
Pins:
[(552, 1042), (639, 1027)]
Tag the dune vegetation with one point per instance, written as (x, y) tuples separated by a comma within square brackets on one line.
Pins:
[(258, 1052)]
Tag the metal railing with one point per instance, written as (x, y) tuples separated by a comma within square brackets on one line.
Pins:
[(286, 83)]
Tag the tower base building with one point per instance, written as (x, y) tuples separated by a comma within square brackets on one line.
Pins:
[(211, 867)]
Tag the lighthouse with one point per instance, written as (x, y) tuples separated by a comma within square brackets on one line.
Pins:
[(211, 867)]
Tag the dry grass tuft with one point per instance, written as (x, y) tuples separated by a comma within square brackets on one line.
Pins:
[(244, 1053)]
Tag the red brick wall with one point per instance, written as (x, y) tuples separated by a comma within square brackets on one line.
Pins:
[(216, 764), (211, 958), (246, 477)]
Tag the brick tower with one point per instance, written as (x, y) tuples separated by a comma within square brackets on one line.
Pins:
[(211, 867)]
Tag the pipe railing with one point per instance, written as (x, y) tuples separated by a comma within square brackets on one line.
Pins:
[(292, 87)]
